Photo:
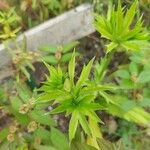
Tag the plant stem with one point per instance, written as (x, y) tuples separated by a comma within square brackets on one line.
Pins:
[(105, 62)]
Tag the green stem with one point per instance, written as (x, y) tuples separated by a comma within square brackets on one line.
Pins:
[(105, 62)]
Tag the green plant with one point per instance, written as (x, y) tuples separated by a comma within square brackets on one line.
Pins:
[(83, 98), (119, 28), (126, 131), (53, 6), (22, 58), (73, 98), (80, 98), (27, 117), (36, 11), (33, 12), (136, 76), (132, 77), (58, 54), (28, 121), (9, 23)]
